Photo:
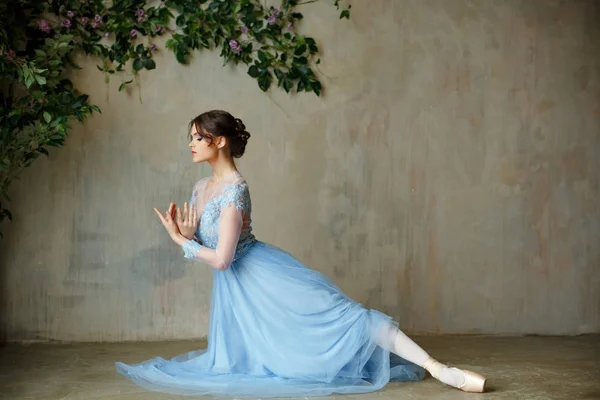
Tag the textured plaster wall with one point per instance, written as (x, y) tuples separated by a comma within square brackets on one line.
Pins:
[(449, 177)]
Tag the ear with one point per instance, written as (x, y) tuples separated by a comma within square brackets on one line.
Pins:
[(221, 142)]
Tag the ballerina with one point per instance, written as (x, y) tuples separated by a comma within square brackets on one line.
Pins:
[(277, 328)]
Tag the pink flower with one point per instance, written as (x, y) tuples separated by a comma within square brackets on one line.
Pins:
[(139, 12), (235, 46), (95, 24), (43, 25), (84, 20), (106, 34), (274, 13), (70, 14), (153, 47), (11, 54), (66, 23), (244, 29), (289, 26), (140, 20), (133, 33), (98, 18)]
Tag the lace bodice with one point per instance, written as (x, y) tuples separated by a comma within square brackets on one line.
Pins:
[(211, 199)]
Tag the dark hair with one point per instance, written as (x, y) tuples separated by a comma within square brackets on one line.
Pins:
[(215, 123)]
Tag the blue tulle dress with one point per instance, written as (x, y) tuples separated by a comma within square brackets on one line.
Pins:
[(277, 328)]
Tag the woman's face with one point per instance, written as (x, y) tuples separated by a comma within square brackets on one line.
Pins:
[(203, 147)]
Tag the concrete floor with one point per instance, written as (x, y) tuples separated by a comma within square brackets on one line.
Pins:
[(517, 368)]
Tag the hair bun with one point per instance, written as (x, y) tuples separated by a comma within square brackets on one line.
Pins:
[(239, 145), (240, 128)]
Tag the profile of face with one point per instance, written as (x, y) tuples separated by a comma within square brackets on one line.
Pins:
[(204, 147)]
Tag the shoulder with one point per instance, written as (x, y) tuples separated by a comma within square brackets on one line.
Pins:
[(238, 194)]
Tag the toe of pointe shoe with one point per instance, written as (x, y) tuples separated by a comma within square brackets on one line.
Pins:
[(474, 382)]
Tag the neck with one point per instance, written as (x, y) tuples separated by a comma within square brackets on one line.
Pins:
[(222, 167)]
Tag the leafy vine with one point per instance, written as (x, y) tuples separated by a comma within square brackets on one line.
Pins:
[(39, 39)]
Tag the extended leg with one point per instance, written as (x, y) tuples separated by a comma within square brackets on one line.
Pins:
[(397, 342)]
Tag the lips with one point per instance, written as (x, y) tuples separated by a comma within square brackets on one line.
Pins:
[(193, 152)]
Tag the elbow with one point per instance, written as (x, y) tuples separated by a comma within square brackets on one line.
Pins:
[(221, 266)]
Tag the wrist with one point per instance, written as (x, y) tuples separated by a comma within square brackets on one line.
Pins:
[(180, 239), (190, 249)]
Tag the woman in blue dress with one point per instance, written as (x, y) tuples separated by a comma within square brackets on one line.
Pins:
[(277, 328)]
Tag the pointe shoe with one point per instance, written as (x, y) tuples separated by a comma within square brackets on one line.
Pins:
[(474, 382)]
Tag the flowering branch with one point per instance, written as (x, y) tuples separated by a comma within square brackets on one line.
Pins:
[(39, 38)]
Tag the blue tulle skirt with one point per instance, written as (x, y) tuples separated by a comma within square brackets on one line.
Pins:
[(279, 329)]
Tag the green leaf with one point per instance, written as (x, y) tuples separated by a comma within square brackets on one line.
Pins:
[(138, 64), (149, 64), (345, 14), (287, 85), (301, 61), (40, 80), (316, 87), (262, 56), (29, 81), (300, 50), (139, 49), (253, 71), (300, 87), (121, 87), (264, 80), (180, 57), (279, 76)]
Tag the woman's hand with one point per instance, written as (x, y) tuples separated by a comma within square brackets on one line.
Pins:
[(168, 221), (187, 221)]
